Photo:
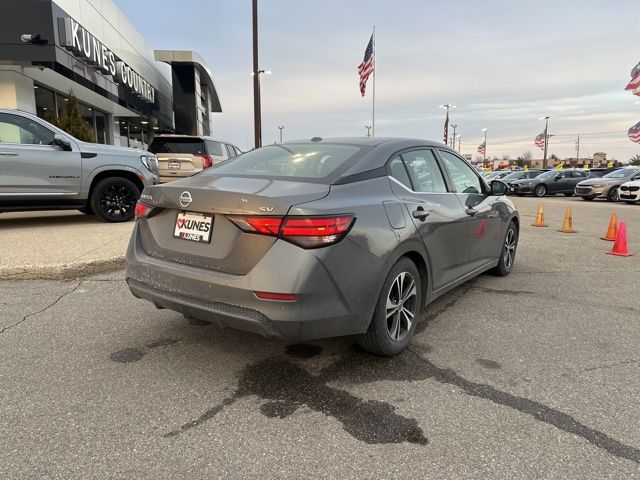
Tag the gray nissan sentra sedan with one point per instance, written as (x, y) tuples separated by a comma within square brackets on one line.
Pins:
[(322, 238)]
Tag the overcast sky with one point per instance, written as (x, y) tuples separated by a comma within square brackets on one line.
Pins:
[(503, 63)]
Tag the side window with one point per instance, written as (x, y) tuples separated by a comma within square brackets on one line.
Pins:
[(17, 129), (463, 177), (215, 148), (238, 151), (424, 171), (230, 151), (399, 172)]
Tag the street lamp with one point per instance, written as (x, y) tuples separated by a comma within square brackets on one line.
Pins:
[(368, 127), (484, 142), (454, 142), (281, 128), (546, 139), (453, 137), (447, 107)]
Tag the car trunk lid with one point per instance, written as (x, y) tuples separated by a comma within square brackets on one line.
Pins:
[(230, 250)]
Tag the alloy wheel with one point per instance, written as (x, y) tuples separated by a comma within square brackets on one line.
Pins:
[(613, 195), (509, 249), (117, 201), (401, 306), (540, 191)]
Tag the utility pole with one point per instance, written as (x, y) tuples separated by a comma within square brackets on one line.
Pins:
[(453, 138), (484, 142), (546, 140), (578, 148), (368, 127), (281, 128), (257, 114), (459, 140)]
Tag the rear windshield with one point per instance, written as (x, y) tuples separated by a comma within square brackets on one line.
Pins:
[(176, 145), (622, 173), (302, 161)]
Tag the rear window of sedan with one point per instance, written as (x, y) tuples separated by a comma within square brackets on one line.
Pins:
[(301, 161), (622, 173)]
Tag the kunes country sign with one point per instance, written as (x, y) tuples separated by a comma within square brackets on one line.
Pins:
[(81, 43)]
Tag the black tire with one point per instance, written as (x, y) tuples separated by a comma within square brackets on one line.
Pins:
[(568, 194), (613, 196), (588, 199), (379, 339), (540, 190), (508, 252), (114, 199)]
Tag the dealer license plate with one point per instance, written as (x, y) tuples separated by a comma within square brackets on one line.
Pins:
[(193, 226)]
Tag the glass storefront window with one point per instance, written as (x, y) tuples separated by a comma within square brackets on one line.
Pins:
[(45, 104), (101, 126)]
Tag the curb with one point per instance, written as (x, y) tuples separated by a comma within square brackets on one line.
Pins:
[(62, 271)]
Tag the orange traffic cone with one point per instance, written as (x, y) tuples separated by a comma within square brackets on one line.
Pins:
[(480, 229), (612, 231), (539, 218), (567, 226), (620, 245)]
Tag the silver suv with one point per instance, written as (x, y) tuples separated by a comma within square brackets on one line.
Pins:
[(44, 168)]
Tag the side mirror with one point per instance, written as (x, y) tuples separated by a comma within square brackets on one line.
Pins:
[(63, 142), (558, 176), (498, 188)]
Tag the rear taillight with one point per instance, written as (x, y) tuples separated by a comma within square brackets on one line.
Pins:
[(306, 232), (142, 210), (207, 161)]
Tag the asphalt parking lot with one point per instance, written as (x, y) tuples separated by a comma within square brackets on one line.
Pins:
[(535, 375)]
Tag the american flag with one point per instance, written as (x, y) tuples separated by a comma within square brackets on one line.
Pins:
[(482, 149), (366, 67), (540, 141), (634, 133), (634, 84)]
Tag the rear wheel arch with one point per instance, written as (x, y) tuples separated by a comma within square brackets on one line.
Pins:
[(420, 258)]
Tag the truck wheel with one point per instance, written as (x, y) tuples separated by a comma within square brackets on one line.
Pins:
[(114, 199)]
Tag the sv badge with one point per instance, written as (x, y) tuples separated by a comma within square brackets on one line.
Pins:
[(266, 209)]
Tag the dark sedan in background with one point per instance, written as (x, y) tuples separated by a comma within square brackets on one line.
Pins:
[(607, 186), (521, 175), (322, 238), (550, 183)]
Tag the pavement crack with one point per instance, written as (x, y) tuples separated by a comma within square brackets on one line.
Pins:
[(19, 322), (537, 410)]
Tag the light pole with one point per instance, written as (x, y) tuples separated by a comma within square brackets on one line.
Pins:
[(546, 139), (281, 128), (257, 114), (454, 142), (368, 127), (484, 150), (447, 107), (453, 138)]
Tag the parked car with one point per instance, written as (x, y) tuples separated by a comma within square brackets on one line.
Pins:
[(629, 192), (549, 183), (601, 171), (181, 156), (520, 175), (497, 174), (322, 238), (607, 186), (44, 168)]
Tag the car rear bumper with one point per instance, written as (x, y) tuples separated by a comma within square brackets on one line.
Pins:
[(322, 308)]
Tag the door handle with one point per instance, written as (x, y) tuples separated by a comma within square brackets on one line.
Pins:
[(420, 213), (471, 211), (8, 154)]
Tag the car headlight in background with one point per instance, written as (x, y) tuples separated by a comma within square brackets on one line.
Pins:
[(151, 162), (597, 186)]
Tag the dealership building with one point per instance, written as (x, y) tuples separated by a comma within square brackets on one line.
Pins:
[(126, 90)]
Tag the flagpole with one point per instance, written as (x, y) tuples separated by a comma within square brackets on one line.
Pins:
[(373, 108)]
